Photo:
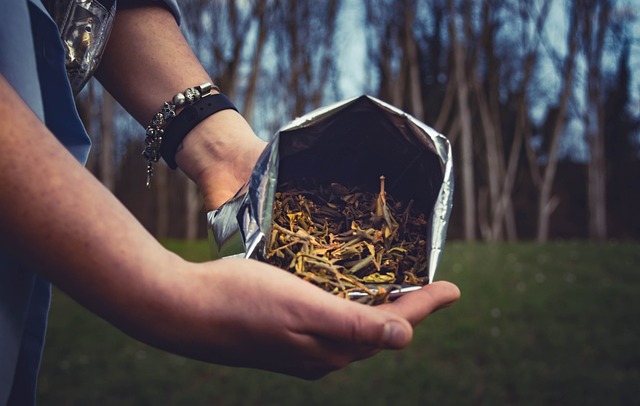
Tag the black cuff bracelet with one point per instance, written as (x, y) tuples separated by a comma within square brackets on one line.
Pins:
[(188, 118)]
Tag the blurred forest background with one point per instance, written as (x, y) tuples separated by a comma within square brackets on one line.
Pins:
[(540, 99)]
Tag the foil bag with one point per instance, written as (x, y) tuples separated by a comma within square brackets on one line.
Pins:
[(352, 142)]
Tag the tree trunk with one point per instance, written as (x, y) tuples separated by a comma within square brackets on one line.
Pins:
[(546, 202), (249, 101), (446, 106), (596, 19), (411, 59), (468, 181), (597, 177), (522, 127), (493, 228)]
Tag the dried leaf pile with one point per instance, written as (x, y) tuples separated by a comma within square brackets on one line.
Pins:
[(346, 240)]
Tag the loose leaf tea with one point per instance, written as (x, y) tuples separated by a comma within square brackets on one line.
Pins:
[(347, 240)]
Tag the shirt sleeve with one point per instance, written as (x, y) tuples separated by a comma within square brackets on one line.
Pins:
[(172, 5), (17, 54)]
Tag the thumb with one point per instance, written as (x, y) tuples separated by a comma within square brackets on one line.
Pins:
[(396, 334), (370, 326), (415, 306)]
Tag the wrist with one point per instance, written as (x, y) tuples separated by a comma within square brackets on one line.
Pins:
[(219, 155), (175, 282), (187, 120), (162, 139)]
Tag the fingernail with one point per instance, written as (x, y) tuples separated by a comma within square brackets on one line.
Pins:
[(395, 335)]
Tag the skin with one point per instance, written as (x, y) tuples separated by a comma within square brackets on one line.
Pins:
[(57, 217), (218, 154)]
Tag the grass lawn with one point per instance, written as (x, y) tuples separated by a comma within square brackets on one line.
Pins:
[(554, 324)]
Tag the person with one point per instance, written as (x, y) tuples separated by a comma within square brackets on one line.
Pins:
[(60, 225)]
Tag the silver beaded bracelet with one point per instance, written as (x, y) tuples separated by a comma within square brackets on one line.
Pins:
[(155, 131)]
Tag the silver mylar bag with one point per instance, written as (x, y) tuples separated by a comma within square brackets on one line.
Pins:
[(85, 26), (352, 142)]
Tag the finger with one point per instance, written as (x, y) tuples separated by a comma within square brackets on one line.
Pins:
[(312, 358), (361, 325), (333, 356), (417, 305)]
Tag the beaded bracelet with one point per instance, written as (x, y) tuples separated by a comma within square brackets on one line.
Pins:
[(155, 131)]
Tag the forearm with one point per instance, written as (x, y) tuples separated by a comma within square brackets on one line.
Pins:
[(146, 62), (56, 217)]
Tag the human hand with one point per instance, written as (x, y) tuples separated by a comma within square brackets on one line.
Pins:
[(251, 314)]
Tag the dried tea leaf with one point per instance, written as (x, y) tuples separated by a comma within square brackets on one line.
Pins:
[(346, 240), (380, 278)]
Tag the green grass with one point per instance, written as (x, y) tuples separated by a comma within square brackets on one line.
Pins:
[(554, 324)]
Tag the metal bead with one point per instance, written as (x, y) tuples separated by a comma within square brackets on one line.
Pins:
[(158, 119), (168, 111), (179, 100), (189, 94), (205, 88)]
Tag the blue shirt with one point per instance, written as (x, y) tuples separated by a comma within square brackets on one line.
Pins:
[(32, 61)]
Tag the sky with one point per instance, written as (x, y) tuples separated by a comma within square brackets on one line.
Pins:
[(353, 78), (352, 53)]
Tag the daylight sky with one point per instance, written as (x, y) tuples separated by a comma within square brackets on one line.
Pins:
[(353, 79)]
